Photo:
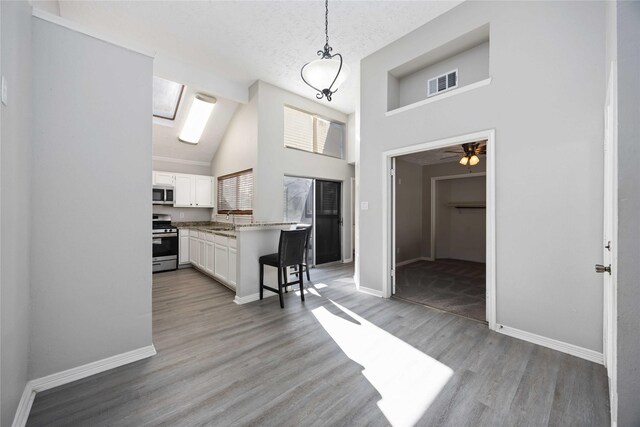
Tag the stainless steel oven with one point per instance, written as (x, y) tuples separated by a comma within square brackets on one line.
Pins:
[(163, 195), (164, 243)]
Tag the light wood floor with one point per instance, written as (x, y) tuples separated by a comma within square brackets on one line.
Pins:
[(219, 363)]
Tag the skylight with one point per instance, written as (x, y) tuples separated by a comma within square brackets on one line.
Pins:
[(166, 98)]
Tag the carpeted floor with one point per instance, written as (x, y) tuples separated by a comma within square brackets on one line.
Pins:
[(447, 284)]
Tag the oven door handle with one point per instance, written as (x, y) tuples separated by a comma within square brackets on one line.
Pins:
[(163, 235)]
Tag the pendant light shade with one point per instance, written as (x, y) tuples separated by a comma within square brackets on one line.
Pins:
[(326, 74)]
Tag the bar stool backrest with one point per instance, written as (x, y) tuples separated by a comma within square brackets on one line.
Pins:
[(291, 247)]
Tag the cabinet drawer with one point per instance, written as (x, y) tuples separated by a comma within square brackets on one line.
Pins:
[(193, 233), (209, 237), (221, 240), (183, 232), (232, 242), (202, 235)]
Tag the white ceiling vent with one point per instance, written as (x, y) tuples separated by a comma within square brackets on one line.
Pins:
[(442, 83)]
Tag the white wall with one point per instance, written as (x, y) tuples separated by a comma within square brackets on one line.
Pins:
[(408, 211), (91, 270), (15, 204), (472, 65), (275, 160), (628, 57), (432, 171), (460, 233), (546, 266)]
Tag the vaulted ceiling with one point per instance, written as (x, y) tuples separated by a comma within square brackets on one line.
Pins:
[(268, 40)]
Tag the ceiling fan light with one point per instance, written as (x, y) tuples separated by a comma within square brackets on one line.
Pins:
[(464, 160), (474, 160)]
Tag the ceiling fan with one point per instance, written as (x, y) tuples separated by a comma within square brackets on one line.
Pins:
[(470, 152)]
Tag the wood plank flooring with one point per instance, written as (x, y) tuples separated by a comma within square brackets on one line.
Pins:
[(223, 364)]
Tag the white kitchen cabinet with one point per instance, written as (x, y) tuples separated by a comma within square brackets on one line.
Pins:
[(183, 246), (183, 191), (194, 191), (233, 269), (221, 262), (209, 257), (202, 254), (193, 250), (203, 191), (163, 178)]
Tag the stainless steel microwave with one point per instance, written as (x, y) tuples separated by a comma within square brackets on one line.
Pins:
[(163, 195)]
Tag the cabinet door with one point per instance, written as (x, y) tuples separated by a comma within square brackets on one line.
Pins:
[(163, 178), (202, 253), (183, 190), (203, 191), (221, 262), (183, 249), (233, 272), (209, 257), (193, 250)]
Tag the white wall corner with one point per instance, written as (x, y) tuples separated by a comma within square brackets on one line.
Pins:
[(369, 291)]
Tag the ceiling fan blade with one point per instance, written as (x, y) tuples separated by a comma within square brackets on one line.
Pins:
[(449, 157), (456, 152)]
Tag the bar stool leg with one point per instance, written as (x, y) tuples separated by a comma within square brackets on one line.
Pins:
[(261, 279), (286, 280), (280, 288), (301, 282)]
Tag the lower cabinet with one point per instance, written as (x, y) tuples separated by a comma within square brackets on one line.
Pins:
[(222, 262), (183, 246), (215, 255)]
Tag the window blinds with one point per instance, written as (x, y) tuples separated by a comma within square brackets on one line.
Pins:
[(304, 131), (235, 193)]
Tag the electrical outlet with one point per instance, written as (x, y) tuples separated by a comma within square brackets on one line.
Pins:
[(398, 251), (181, 215), (364, 206)]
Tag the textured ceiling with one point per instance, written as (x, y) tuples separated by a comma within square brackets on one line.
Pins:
[(268, 40), (165, 135)]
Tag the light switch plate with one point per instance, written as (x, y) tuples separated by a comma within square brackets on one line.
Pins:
[(5, 91), (364, 206)]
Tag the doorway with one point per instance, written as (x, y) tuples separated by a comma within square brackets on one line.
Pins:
[(453, 257), (318, 203)]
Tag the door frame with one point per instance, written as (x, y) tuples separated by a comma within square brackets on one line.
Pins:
[(610, 226), (434, 181), (388, 217)]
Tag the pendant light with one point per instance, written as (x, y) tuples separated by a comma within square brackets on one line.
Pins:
[(326, 74)]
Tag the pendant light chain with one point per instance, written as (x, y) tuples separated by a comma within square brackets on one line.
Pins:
[(326, 26)]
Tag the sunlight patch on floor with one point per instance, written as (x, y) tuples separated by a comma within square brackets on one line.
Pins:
[(407, 379)]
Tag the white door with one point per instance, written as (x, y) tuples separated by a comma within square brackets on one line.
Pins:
[(209, 257), (163, 178), (609, 253), (393, 226), (183, 190), (222, 262), (203, 193), (193, 250)]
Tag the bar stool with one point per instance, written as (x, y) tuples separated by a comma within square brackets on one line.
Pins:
[(305, 265), (290, 252)]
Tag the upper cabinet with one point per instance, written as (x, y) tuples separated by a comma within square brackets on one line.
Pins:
[(191, 191), (163, 178)]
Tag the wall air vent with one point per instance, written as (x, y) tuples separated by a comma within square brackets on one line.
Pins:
[(442, 83)]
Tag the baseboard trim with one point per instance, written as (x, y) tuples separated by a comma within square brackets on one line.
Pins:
[(74, 374), (347, 260), (411, 261), (24, 406), (253, 297), (369, 291), (574, 350)]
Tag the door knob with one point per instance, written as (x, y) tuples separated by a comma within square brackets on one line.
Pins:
[(602, 269)]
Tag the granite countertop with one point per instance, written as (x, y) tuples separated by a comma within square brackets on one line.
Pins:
[(228, 229)]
